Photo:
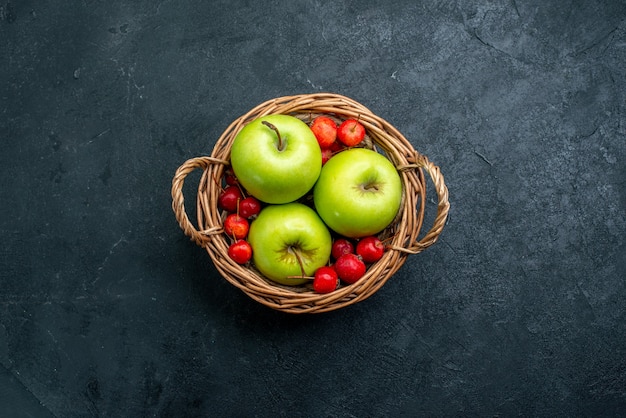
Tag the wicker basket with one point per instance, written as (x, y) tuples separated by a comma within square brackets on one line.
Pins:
[(403, 235)]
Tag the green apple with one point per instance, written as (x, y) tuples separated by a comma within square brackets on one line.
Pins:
[(276, 158), (358, 193), (289, 241)]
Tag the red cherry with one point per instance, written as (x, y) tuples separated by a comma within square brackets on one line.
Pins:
[(325, 279), (230, 177), (229, 198), (325, 130), (235, 226), (350, 268), (337, 146), (326, 154), (340, 247), (231, 180), (371, 249), (249, 207), (240, 251), (351, 132)]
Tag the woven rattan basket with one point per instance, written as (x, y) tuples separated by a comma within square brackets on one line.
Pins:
[(403, 235)]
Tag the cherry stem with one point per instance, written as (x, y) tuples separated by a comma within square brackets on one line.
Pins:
[(385, 241), (241, 189), (275, 129)]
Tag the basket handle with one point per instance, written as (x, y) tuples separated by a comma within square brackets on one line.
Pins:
[(201, 238), (443, 205)]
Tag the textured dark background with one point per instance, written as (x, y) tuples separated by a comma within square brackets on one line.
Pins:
[(107, 309)]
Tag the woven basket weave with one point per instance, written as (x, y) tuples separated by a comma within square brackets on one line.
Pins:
[(403, 236)]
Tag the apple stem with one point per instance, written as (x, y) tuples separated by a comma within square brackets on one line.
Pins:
[(275, 129), (369, 187), (297, 254)]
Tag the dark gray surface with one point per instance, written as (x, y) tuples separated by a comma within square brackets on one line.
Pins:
[(107, 309), (16, 401)]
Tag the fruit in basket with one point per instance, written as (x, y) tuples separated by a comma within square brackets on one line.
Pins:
[(276, 158), (235, 226), (371, 249), (289, 242), (358, 193), (229, 198), (326, 154), (230, 178), (325, 279), (340, 247), (350, 268), (249, 207), (351, 132), (325, 130), (240, 251)]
